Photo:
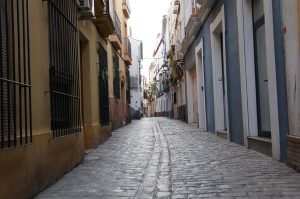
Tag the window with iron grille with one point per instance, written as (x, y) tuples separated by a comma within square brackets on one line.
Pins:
[(103, 86), (134, 82), (175, 98), (116, 76), (64, 67), (15, 82), (128, 97)]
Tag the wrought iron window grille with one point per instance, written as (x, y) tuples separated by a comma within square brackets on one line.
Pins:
[(103, 86), (128, 96), (64, 68), (15, 79), (116, 81)]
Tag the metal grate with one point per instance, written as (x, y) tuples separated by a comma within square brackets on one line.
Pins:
[(128, 97), (103, 86), (116, 76), (15, 82), (118, 27), (134, 82), (129, 48), (64, 67)]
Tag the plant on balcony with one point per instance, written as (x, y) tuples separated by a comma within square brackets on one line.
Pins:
[(176, 70)]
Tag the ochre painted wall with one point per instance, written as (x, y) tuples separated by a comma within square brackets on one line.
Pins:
[(94, 133), (119, 109), (27, 170)]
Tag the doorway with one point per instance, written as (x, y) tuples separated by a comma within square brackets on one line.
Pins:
[(201, 85), (192, 99), (217, 29), (261, 71), (84, 74)]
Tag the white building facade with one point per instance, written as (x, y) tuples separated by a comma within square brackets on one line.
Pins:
[(136, 92)]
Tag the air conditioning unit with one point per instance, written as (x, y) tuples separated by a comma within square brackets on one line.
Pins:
[(86, 8)]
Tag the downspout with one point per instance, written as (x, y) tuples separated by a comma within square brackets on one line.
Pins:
[(283, 135), (186, 109)]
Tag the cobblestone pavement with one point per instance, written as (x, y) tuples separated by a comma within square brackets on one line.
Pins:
[(162, 158)]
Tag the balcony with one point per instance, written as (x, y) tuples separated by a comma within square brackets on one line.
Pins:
[(195, 22), (116, 37), (127, 53), (103, 21), (126, 8)]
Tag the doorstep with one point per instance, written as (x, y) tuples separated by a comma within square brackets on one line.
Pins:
[(260, 144), (223, 134)]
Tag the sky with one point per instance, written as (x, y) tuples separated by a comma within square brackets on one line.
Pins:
[(146, 23)]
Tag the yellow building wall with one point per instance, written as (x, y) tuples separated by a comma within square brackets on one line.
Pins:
[(119, 108), (94, 133), (30, 169), (110, 70)]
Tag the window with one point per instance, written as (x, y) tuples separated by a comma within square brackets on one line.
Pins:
[(134, 82), (15, 81), (116, 76), (103, 86), (128, 97), (175, 98), (64, 67)]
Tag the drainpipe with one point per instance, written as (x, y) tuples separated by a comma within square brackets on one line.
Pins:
[(186, 108)]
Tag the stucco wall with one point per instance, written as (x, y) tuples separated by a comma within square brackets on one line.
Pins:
[(204, 33), (134, 69), (89, 69), (27, 170), (292, 61), (232, 62), (94, 133)]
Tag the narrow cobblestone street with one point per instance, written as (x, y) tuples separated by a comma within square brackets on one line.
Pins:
[(163, 158)]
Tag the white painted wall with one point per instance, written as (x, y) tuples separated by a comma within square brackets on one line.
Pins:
[(187, 10), (134, 70), (292, 63)]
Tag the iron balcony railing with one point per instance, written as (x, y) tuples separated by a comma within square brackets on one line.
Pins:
[(129, 48), (118, 26), (128, 5), (15, 80)]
